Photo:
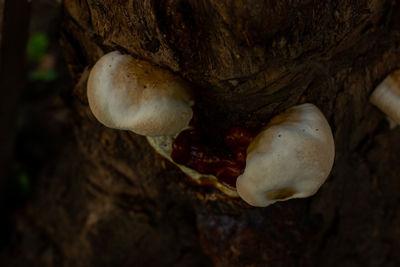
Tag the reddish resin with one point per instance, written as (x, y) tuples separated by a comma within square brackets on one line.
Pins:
[(189, 149)]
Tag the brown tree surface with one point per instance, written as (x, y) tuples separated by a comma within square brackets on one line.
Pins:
[(110, 200)]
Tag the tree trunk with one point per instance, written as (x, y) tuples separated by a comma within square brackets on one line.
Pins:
[(113, 201)]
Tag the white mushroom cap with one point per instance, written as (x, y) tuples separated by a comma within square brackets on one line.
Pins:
[(290, 158), (131, 94), (386, 96)]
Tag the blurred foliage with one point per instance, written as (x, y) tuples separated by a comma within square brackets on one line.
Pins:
[(41, 75), (36, 51), (37, 46), (19, 187), (23, 184)]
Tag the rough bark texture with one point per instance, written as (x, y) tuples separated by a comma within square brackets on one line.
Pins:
[(117, 203)]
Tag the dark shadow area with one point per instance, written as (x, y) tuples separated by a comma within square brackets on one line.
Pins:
[(39, 122)]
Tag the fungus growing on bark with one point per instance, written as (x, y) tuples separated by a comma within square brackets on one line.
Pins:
[(386, 97), (131, 94), (163, 145), (290, 158), (203, 164)]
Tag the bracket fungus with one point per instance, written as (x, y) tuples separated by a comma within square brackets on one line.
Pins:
[(131, 94), (290, 158), (386, 97)]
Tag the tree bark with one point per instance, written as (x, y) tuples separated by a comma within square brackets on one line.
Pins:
[(113, 201)]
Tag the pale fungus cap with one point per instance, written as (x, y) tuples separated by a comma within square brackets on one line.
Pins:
[(130, 94), (290, 158), (386, 96)]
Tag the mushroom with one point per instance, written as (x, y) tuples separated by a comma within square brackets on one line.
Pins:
[(131, 94), (290, 158), (386, 97)]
